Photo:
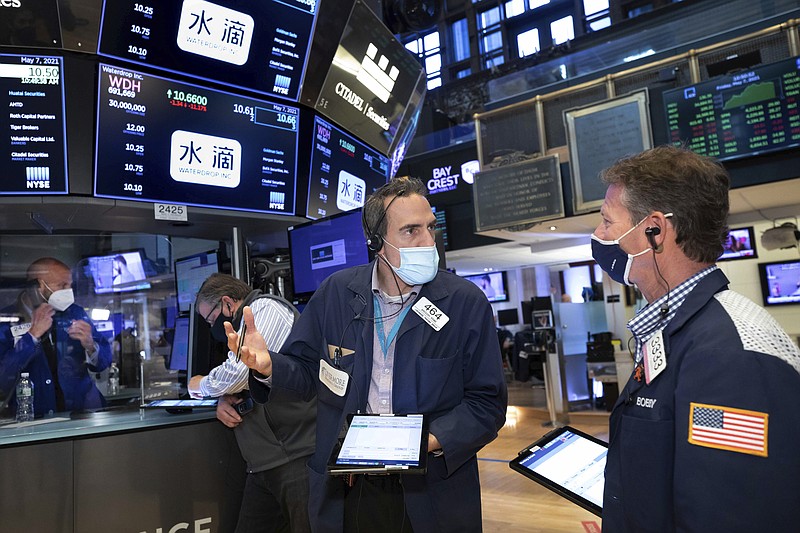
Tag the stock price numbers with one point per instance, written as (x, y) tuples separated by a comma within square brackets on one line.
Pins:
[(140, 51), (133, 187), (134, 129), (244, 110), (137, 149), (134, 167), (140, 109), (140, 30), (145, 10), (196, 102), (276, 116)]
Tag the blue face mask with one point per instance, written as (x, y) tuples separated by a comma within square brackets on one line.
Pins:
[(613, 259), (417, 265)]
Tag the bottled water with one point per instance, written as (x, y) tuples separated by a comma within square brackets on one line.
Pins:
[(24, 398), (113, 380)]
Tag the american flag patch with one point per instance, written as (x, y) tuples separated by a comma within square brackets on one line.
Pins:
[(726, 428)]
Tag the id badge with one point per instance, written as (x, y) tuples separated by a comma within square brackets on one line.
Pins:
[(333, 378), (655, 357), (431, 314)]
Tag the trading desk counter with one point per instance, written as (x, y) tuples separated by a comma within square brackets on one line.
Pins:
[(131, 470)]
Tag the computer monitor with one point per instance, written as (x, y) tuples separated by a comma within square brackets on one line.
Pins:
[(118, 272), (321, 247), (507, 317), (190, 273), (179, 352)]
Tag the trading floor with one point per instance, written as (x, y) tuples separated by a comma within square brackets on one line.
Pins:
[(513, 503)]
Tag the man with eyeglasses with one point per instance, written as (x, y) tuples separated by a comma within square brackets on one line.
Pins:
[(276, 440), (53, 340)]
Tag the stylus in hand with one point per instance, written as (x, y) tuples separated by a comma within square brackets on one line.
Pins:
[(241, 342)]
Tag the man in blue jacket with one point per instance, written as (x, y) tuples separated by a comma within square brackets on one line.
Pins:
[(362, 344), (704, 435), (54, 341)]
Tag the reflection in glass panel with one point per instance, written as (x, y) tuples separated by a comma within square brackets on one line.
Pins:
[(528, 42), (562, 30), (124, 287)]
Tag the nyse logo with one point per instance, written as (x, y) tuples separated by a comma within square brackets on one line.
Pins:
[(277, 200), (214, 31), (10, 3), (282, 84), (372, 74), (37, 177), (205, 159)]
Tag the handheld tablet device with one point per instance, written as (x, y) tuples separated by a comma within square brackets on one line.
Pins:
[(182, 404), (381, 444), (568, 462)]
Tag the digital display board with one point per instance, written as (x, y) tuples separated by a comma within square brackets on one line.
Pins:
[(344, 171), (164, 141), (374, 87), (738, 115), (32, 92), (255, 45)]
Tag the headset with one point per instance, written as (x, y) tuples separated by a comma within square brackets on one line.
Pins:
[(651, 232), (374, 239)]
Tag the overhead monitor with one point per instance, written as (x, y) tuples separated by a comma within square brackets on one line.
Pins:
[(344, 171), (374, 87), (190, 273), (740, 244), (738, 115), (493, 284), (32, 97), (159, 140), (321, 247), (780, 282), (260, 46)]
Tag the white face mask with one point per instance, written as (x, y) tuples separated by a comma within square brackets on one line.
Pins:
[(60, 299)]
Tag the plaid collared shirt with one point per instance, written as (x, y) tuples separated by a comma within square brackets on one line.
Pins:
[(648, 321)]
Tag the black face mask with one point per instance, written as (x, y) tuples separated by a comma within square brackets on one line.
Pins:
[(218, 328)]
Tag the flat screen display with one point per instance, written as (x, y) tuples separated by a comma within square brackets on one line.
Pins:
[(179, 353), (344, 171), (322, 247), (32, 99), (254, 45), (190, 273), (159, 140), (740, 244), (374, 87), (780, 282), (118, 272), (493, 285), (738, 115)]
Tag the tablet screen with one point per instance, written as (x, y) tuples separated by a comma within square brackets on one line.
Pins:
[(182, 404), (381, 443), (568, 462)]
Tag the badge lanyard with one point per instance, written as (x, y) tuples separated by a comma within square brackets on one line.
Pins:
[(382, 338)]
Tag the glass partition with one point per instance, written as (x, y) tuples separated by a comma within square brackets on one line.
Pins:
[(126, 286)]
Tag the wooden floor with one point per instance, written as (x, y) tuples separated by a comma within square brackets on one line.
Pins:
[(513, 503)]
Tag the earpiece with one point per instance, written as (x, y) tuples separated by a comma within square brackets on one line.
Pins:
[(374, 239), (651, 232)]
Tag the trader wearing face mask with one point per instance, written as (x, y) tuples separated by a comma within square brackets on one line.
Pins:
[(54, 341), (711, 408), (396, 336)]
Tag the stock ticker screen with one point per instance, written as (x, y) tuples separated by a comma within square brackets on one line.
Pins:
[(262, 46), (32, 98), (344, 171), (738, 115), (160, 140)]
